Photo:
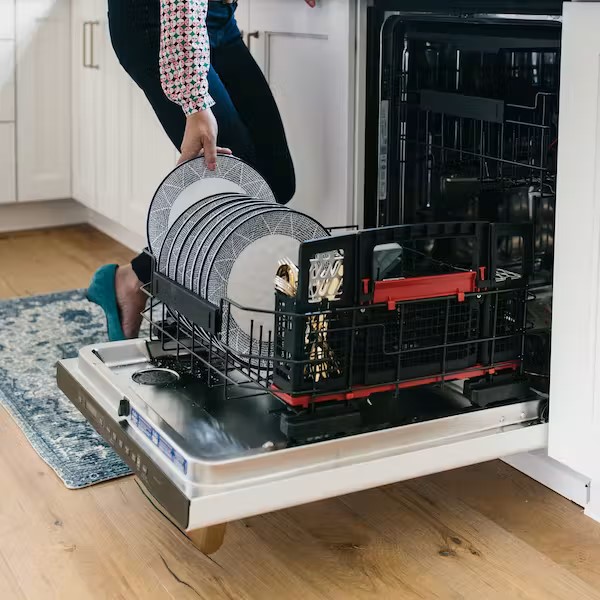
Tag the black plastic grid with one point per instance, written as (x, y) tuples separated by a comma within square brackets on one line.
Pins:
[(393, 344), (417, 339)]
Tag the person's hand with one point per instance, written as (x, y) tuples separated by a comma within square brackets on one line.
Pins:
[(311, 3), (200, 138)]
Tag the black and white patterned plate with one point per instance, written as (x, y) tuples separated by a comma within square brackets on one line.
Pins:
[(192, 181), (186, 231), (202, 234), (242, 268), (183, 223)]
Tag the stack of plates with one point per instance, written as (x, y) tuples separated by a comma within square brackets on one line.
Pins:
[(221, 234)]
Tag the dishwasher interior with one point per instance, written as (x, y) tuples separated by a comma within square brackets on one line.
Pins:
[(418, 344), (463, 110), (440, 307)]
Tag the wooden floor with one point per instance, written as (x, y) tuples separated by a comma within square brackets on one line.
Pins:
[(481, 532)]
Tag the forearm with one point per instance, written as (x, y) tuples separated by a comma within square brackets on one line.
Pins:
[(185, 53)]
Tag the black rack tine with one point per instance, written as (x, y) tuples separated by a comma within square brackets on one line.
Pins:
[(260, 345), (210, 358), (151, 311), (250, 351), (494, 332), (445, 349), (162, 337), (228, 320), (226, 371), (523, 331), (178, 335), (400, 341), (192, 354), (270, 364)]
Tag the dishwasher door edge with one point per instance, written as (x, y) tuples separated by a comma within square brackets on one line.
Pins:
[(430, 449), (329, 483), (125, 442)]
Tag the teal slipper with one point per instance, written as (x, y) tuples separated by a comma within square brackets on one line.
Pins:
[(103, 293)]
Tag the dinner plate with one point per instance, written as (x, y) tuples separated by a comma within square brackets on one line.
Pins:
[(242, 269), (199, 269), (192, 181), (192, 239), (182, 242), (206, 229), (195, 245), (181, 226), (221, 236)]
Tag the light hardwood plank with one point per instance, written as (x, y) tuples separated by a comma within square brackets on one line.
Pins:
[(45, 261), (554, 526)]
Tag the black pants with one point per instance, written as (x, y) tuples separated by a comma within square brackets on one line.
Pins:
[(246, 112)]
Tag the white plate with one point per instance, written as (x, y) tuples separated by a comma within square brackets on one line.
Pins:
[(180, 226), (243, 267), (192, 181), (197, 232), (207, 229), (182, 243), (199, 270)]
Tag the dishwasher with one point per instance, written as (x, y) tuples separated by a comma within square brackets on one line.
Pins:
[(432, 351)]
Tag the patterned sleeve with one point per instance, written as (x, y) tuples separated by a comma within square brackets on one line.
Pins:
[(185, 53)]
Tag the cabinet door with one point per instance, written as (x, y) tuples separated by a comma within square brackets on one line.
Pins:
[(152, 159), (7, 163), (7, 19), (7, 80), (575, 369), (85, 91), (113, 117), (306, 56), (43, 103)]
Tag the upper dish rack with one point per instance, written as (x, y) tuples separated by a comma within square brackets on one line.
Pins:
[(468, 125)]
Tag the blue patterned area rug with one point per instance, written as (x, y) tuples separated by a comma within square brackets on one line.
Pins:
[(35, 333)]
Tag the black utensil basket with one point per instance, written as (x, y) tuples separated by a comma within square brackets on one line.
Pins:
[(428, 321)]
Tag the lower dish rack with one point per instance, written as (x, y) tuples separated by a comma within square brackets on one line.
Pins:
[(399, 317)]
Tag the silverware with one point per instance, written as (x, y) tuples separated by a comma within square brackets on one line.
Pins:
[(328, 285), (286, 280)]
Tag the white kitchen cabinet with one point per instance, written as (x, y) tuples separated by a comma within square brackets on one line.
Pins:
[(153, 157), (114, 142), (7, 19), (43, 104), (306, 55), (120, 152), (7, 80), (242, 17), (85, 90), (575, 381), (7, 163)]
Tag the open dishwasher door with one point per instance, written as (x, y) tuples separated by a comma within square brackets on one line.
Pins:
[(210, 460)]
